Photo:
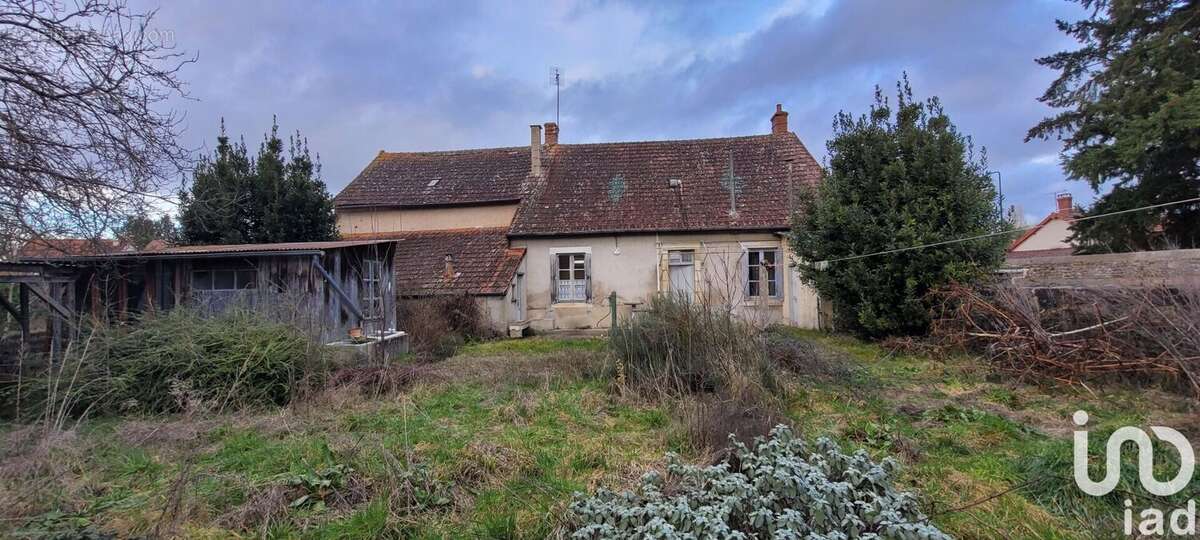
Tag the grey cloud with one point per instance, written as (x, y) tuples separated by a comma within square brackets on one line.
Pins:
[(359, 77)]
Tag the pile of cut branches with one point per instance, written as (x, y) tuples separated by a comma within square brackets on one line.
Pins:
[(1075, 335)]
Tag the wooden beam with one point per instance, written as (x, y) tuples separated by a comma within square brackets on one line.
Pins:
[(348, 303), (23, 303), (10, 308), (50, 301)]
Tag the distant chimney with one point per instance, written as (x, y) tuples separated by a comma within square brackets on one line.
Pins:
[(448, 273), (535, 150), (1065, 204), (551, 133), (779, 121)]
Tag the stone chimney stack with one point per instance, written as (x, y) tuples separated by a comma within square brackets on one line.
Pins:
[(535, 150), (551, 133), (1065, 204), (779, 121)]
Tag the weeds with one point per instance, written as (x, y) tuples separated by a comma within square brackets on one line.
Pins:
[(438, 326), (173, 362), (680, 348)]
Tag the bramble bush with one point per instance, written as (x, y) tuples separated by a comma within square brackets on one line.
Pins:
[(781, 488)]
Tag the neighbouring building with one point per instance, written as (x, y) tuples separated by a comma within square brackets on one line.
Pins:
[(1051, 237), (542, 234)]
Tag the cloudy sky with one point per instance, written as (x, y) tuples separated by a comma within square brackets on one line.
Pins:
[(359, 77)]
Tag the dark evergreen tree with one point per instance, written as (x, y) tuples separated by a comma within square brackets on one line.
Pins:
[(896, 178), (214, 210), (141, 229), (270, 198), (1131, 122)]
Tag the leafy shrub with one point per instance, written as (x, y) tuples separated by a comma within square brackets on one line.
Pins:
[(900, 175), (438, 325), (779, 489), (174, 362), (680, 347)]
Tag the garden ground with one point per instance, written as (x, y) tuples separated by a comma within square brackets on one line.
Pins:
[(494, 441)]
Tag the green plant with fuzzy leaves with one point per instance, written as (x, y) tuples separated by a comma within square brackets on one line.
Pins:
[(782, 488)]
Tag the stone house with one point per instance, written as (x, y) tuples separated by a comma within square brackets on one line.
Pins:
[(542, 234)]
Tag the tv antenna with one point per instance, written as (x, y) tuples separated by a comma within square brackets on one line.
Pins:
[(556, 80)]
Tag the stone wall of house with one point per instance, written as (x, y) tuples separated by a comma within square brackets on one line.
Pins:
[(1145, 268)]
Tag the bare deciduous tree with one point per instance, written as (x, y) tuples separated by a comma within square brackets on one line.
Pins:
[(86, 137)]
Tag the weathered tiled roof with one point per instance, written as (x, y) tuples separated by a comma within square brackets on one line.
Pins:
[(66, 247), (481, 262), (214, 249), (410, 179), (627, 187)]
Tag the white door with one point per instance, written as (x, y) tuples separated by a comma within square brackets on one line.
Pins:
[(682, 276)]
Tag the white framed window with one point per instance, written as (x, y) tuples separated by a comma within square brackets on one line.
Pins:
[(372, 288), (571, 277), (224, 280), (763, 275), (681, 272)]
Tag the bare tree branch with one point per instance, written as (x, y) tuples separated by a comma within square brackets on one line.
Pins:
[(85, 135)]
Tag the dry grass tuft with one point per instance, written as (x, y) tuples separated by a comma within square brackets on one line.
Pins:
[(485, 463), (706, 425)]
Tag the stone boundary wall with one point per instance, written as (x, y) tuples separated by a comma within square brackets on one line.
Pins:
[(1143, 268)]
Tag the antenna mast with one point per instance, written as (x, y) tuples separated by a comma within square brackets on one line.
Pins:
[(556, 80)]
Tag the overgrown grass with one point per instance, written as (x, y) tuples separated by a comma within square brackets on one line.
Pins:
[(507, 432), (678, 348), (532, 345), (169, 363)]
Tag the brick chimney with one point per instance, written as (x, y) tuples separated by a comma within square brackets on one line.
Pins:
[(551, 133), (779, 121), (535, 150), (448, 271), (1065, 204)]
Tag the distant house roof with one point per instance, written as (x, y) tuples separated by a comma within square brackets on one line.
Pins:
[(480, 261), (412, 179), (1064, 210), (66, 247), (222, 250)]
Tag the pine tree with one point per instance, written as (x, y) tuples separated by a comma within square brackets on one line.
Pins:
[(894, 182), (1131, 122), (214, 210), (270, 198)]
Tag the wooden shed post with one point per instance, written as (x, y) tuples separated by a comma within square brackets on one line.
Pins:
[(23, 303)]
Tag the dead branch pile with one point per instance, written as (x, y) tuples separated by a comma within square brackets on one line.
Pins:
[(1075, 335)]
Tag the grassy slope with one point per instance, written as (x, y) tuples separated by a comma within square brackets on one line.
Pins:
[(510, 436)]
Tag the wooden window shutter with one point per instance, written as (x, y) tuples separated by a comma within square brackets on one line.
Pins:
[(779, 269), (745, 273), (587, 273), (553, 278)]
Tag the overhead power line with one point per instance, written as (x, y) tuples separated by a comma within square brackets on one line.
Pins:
[(1001, 233)]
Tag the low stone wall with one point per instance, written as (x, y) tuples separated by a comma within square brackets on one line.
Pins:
[(1143, 268)]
